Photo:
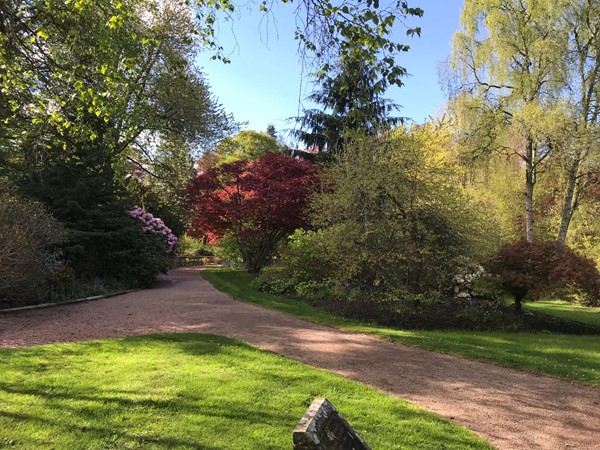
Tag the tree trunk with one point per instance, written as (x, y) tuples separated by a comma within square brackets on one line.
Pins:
[(519, 305), (568, 207), (529, 185)]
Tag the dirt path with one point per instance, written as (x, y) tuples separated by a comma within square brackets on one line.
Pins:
[(510, 409)]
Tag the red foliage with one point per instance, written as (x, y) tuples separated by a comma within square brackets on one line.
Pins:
[(257, 202), (545, 267)]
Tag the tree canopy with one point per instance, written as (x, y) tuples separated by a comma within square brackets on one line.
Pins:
[(530, 76), (255, 202), (352, 105)]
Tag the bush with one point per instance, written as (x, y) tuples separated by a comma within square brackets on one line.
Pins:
[(156, 226), (228, 250), (190, 246), (393, 215), (540, 268), (29, 237)]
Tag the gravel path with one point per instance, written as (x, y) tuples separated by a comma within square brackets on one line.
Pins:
[(510, 409)]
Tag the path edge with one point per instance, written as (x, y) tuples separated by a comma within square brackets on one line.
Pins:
[(66, 302)]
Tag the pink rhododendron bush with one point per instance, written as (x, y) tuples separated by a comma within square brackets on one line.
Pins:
[(155, 226)]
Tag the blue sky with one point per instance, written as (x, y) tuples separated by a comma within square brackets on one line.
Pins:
[(264, 83)]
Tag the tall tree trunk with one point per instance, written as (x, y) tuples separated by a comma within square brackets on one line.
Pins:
[(529, 185), (569, 204)]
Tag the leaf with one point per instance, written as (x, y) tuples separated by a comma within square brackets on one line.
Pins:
[(112, 22)]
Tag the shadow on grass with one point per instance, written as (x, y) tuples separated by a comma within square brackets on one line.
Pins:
[(188, 391)]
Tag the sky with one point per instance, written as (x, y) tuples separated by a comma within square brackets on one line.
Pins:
[(265, 84)]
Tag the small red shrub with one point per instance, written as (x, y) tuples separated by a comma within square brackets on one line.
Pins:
[(532, 270)]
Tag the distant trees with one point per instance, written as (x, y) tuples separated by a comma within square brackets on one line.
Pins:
[(257, 203), (245, 145)]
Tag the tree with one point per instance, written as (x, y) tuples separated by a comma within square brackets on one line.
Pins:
[(255, 202), (533, 69), (582, 152), (246, 145), (85, 82), (271, 131), (393, 215), (352, 106), (105, 72), (158, 181), (328, 31), (534, 269)]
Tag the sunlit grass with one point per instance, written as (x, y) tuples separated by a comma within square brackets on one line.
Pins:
[(566, 310), (564, 356), (190, 391)]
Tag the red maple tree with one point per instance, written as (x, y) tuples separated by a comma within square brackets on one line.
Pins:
[(539, 268), (256, 202)]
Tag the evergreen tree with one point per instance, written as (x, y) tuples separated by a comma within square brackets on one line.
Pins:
[(352, 104)]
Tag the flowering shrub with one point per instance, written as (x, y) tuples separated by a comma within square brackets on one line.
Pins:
[(155, 225)]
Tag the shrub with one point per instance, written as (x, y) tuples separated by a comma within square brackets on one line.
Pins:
[(155, 226), (393, 215), (228, 250), (29, 236), (190, 246), (540, 268)]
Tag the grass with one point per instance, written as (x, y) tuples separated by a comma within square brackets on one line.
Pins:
[(190, 391), (566, 310), (570, 357)]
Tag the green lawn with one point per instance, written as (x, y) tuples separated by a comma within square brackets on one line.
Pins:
[(566, 310), (564, 356), (190, 391)]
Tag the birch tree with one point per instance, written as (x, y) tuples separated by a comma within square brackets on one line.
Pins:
[(581, 153), (510, 53)]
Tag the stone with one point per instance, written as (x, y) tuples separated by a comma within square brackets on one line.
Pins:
[(324, 428)]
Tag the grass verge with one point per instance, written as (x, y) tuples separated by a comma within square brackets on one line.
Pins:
[(567, 311), (190, 391), (570, 357)]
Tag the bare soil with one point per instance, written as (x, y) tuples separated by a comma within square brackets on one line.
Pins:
[(510, 409)]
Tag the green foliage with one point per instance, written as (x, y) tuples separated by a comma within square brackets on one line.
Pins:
[(65, 286), (158, 181), (247, 145), (228, 249), (190, 246), (102, 239), (93, 94), (394, 216), (29, 256), (530, 81), (351, 103)]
